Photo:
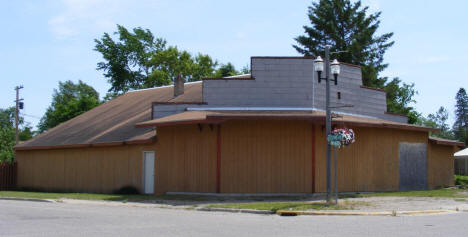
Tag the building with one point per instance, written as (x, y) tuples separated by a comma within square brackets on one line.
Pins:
[(256, 133), (461, 162)]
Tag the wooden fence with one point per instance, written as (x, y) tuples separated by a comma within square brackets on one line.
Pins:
[(8, 174)]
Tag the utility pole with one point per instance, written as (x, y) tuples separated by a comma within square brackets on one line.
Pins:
[(18, 107)]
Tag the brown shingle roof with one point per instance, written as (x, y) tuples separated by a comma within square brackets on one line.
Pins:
[(317, 116), (447, 142), (113, 123)]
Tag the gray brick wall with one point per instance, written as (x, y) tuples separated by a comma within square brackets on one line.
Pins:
[(292, 82), (289, 82)]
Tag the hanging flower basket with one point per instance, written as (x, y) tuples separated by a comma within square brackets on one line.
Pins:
[(341, 137)]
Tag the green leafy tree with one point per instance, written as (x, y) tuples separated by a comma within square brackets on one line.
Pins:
[(400, 96), (461, 115), (69, 101), (7, 133), (438, 120), (127, 60), (7, 141), (226, 70), (246, 70), (139, 60), (463, 135), (7, 117)]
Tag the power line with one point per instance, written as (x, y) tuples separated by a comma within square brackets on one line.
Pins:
[(32, 116)]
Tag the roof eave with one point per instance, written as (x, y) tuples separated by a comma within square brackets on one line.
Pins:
[(99, 144), (212, 119)]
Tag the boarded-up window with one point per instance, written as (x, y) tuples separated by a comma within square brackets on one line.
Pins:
[(413, 166)]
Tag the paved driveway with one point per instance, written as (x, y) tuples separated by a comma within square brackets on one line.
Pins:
[(26, 218)]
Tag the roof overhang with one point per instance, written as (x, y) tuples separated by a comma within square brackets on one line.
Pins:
[(101, 144), (214, 117), (440, 141)]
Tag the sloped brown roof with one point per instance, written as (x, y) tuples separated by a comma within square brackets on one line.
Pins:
[(316, 116), (448, 142), (113, 123)]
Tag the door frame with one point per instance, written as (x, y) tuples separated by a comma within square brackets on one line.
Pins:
[(144, 171)]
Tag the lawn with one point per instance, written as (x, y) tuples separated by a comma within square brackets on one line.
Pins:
[(439, 193), (257, 203), (275, 206), (102, 197)]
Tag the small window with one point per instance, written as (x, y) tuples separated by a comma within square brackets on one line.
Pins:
[(338, 94)]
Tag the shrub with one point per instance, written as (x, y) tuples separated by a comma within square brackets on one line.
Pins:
[(127, 190), (461, 180)]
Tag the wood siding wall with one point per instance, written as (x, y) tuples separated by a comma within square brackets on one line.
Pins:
[(8, 174), (370, 164), (186, 159), (96, 170), (440, 166), (266, 157), (255, 157)]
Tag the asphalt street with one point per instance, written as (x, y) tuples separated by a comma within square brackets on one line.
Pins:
[(29, 218)]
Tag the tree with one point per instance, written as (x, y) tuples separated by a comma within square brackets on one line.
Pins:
[(461, 115), (463, 136), (7, 133), (139, 60), (399, 99), (346, 26), (246, 70), (7, 141), (438, 120), (350, 28), (226, 70), (69, 101)]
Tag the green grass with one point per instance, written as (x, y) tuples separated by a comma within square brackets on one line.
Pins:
[(275, 206), (461, 180), (102, 197), (438, 193)]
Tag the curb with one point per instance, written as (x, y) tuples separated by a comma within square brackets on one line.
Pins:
[(329, 213), (348, 213), (28, 199), (251, 211), (265, 212)]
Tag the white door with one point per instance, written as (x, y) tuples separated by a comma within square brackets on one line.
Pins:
[(148, 172)]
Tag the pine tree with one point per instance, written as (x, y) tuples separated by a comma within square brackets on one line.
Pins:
[(347, 27), (461, 114)]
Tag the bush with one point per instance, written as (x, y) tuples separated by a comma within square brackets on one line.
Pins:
[(461, 180), (127, 190)]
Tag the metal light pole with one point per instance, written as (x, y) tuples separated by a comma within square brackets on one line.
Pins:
[(328, 119), (318, 66)]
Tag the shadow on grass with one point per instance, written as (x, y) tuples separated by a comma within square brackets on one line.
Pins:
[(172, 199), (275, 206)]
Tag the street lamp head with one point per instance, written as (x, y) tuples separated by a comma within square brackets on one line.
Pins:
[(335, 67), (318, 64)]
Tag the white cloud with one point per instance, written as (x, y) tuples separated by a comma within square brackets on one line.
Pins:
[(434, 59), (79, 16)]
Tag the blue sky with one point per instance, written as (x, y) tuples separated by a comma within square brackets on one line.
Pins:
[(44, 42)]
